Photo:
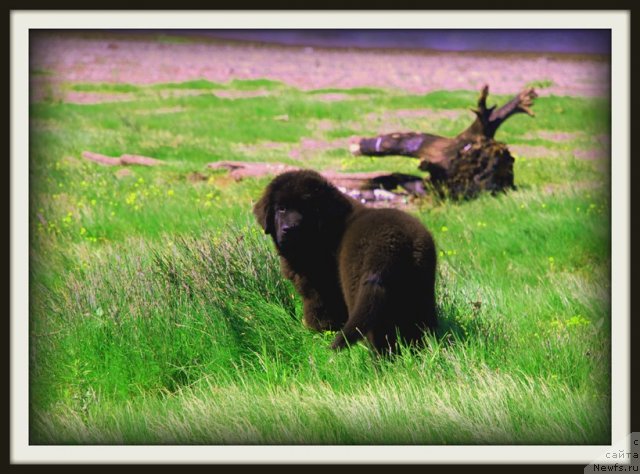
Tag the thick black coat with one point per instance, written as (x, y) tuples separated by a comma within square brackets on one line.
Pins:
[(361, 271)]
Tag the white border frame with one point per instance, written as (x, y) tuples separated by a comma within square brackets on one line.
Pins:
[(22, 21)]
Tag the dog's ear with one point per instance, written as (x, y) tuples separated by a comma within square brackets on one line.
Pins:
[(263, 210), (335, 206)]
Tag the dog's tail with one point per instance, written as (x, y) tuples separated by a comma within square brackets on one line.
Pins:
[(370, 306)]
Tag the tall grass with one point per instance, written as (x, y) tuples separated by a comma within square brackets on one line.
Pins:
[(159, 314)]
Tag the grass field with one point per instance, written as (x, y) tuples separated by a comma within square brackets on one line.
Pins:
[(159, 315)]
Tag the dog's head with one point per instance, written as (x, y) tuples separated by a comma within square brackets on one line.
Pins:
[(300, 209)]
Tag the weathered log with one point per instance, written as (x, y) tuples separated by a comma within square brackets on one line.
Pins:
[(139, 160), (241, 169), (372, 186), (123, 160), (377, 180), (466, 164), (102, 159)]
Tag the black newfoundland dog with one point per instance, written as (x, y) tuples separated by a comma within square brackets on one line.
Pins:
[(360, 271)]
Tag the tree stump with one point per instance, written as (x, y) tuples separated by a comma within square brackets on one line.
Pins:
[(466, 164)]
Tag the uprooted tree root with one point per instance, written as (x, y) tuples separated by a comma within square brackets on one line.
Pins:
[(466, 164)]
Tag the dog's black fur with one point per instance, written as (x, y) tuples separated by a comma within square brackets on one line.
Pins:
[(361, 271)]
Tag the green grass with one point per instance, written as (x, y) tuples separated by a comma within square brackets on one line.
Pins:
[(104, 87), (194, 85), (352, 91), (541, 84), (253, 84), (159, 314)]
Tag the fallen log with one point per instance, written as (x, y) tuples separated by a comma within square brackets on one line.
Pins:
[(371, 186), (139, 160), (124, 160), (240, 169), (466, 164), (411, 184), (102, 159)]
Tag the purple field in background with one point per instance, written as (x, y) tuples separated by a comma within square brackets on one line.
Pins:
[(159, 56), (594, 41)]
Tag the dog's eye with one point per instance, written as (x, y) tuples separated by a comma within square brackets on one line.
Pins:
[(281, 209)]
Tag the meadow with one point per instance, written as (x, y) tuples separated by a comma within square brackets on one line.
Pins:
[(158, 314)]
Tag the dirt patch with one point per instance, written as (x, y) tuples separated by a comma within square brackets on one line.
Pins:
[(560, 136), (528, 151), (432, 114), (338, 96), (312, 144), (196, 177), (240, 94), (555, 136), (331, 97), (114, 59), (310, 147), (74, 97), (257, 149)]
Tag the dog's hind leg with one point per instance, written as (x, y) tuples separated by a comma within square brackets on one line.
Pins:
[(367, 312)]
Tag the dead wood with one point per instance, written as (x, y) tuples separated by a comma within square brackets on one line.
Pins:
[(124, 160), (240, 169), (377, 180), (466, 164), (139, 160), (372, 186), (102, 159)]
